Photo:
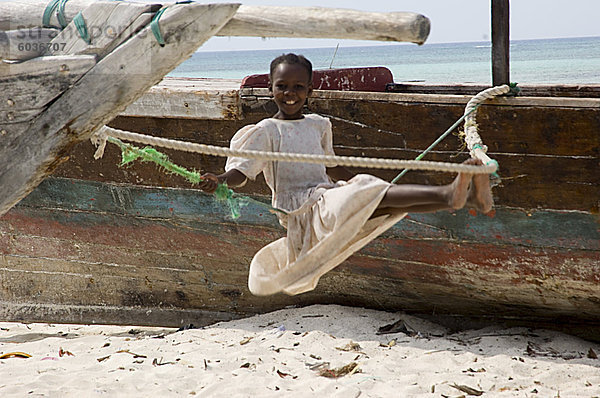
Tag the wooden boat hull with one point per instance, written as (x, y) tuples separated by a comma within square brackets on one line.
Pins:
[(99, 243)]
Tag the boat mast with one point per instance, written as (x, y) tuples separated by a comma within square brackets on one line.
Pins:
[(500, 42)]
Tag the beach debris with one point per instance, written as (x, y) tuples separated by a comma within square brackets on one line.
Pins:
[(466, 389), (246, 340), (351, 346), (248, 365), (284, 375), (534, 350), (62, 353), (278, 349), (324, 370), (592, 354), (471, 370), (156, 362), (103, 358), (49, 359), (132, 353), (318, 365), (397, 327), (15, 355)]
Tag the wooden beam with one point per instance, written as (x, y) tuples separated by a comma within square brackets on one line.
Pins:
[(500, 42), (106, 90), (317, 22), (194, 98), (266, 21)]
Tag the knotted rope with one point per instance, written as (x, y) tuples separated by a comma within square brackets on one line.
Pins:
[(472, 139), (99, 139)]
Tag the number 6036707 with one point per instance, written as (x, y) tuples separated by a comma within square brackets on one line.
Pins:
[(41, 46)]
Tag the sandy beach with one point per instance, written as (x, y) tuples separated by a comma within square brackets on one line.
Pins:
[(320, 350)]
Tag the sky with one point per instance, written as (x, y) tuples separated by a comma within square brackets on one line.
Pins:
[(451, 21)]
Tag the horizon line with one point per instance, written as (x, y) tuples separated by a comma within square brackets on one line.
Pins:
[(376, 43)]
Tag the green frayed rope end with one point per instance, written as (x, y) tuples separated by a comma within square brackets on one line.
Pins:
[(130, 153), (225, 195)]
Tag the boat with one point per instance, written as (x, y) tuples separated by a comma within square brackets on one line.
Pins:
[(98, 243)]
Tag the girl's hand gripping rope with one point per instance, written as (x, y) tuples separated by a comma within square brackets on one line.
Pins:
[(209, 182)]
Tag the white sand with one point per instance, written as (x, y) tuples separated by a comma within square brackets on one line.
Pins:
[(279, 355)]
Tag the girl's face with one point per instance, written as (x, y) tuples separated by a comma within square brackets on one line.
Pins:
[(290, 85)]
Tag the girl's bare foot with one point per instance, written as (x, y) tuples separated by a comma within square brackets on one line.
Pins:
[(480, 194), (459, 189)]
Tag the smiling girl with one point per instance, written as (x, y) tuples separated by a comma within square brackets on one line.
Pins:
[(332, 213)]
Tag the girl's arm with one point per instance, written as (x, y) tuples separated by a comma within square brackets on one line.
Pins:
[(233, 178), (339, 173)]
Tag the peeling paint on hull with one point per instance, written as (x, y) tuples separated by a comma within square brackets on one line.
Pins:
[(174, 251)]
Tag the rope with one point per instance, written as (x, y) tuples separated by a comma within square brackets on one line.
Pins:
[(440, 138), (223, 194), (472, 139), (82, 28), (60, 14), (156, 28), (48, 13), (101, 135)]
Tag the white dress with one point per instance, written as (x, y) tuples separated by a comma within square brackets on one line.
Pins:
[(326, 221)]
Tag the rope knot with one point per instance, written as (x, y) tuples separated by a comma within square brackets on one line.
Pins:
[(98, 139)]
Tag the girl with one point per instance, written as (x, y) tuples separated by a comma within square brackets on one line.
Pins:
[(332, 213)]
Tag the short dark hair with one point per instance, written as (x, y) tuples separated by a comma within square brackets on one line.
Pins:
[(291, 59)]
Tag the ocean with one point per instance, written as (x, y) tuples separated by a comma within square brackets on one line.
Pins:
[(547, 61)]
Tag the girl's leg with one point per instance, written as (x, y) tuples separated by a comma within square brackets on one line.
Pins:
[(465, 189)]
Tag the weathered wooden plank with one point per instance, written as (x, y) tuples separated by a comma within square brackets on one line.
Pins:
[(457, 99), (194, 99), (414, 268), (505, 276), (25, 44), (109, 23), (113, 315), (168, 208), (20, 83), (217, 97), (527, 90), (261, 21), (319, 22), (251, 94), (8, 117), (113, 84)]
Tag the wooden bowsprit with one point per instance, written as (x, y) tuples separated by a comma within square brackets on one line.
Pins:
[(32, 149)]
